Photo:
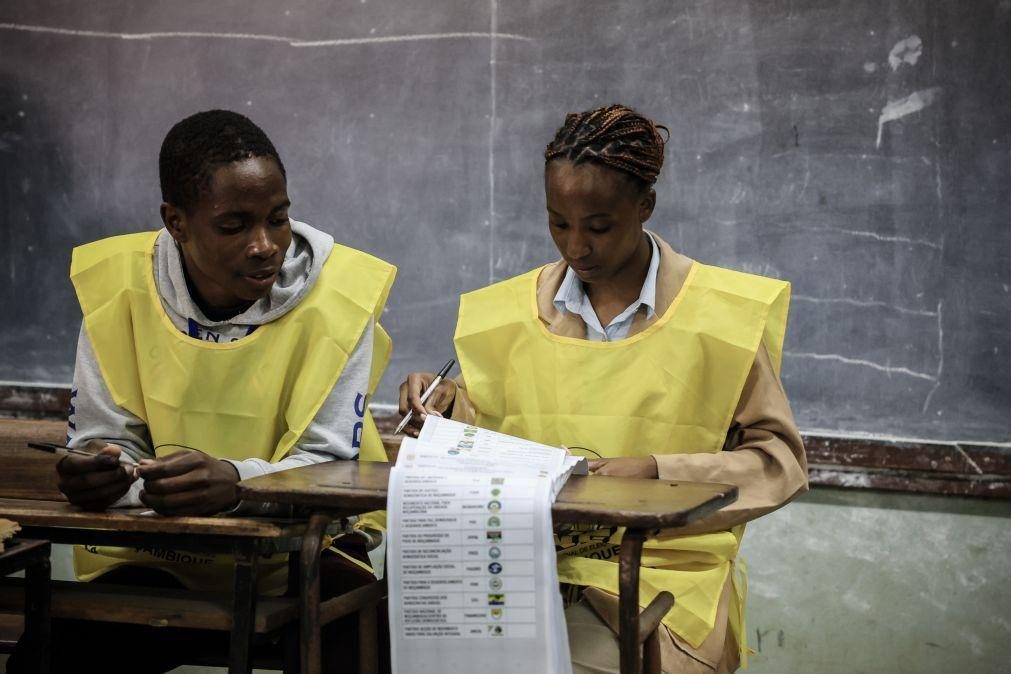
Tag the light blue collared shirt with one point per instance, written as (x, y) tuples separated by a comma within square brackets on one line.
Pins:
[(572, 298)]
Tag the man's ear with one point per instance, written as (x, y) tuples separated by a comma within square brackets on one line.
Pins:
[(646, 206), (175, 221)]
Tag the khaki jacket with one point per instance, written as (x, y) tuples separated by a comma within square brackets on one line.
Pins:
[(763, 454)]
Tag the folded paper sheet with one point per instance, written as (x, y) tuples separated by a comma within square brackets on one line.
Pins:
[(472, 578)]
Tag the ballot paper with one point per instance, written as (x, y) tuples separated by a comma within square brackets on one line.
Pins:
[(471, 566)]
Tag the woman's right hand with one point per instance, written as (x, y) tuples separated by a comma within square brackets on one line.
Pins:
[(440, 401)]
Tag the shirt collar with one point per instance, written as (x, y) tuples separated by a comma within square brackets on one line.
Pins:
[(571, 296)]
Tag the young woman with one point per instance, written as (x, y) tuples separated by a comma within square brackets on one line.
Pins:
[(660, 365)]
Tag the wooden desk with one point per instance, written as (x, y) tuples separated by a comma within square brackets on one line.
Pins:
[(642, 506), (32, 557), (245, 538)]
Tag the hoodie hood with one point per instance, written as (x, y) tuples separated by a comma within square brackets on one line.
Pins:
[(301, 267)]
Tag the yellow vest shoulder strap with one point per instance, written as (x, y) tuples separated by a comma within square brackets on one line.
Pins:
[(90, 254), (362, 278), (365, 282), (513, 299), (771, 297)]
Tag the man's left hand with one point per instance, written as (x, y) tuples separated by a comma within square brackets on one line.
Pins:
[(189, 483), (632, 466)]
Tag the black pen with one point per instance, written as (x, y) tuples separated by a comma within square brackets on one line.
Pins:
[(53, 448)]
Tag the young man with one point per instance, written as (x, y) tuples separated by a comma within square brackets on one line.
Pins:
[(233, 343), (661, 366)]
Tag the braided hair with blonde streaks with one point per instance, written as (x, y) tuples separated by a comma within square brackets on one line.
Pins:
[(615, 136)]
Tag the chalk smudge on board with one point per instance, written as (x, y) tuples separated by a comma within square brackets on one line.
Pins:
[(861, 303), (888, 369), (914, 102), (905, 51), (291, 41)]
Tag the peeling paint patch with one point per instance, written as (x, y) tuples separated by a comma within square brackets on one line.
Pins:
[(857, 480), (914, 102), (906, 51)]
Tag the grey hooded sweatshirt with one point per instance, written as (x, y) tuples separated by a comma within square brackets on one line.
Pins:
[(330, 435)]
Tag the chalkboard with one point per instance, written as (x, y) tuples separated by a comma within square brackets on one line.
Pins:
[(861, 150)]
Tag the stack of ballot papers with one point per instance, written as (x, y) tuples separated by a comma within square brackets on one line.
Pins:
[(471, 560), (7, 530)]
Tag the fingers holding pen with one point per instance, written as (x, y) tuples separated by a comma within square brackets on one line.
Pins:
[(412, 391), (410, 400), (424, 393), (94, 482)]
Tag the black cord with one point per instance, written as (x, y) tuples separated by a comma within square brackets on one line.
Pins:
[(587, 449), (173, 444)]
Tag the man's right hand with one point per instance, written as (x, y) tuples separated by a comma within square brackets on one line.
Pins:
[(94, 482), (410, 399)]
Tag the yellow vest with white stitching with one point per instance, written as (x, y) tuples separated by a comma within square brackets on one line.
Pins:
[(673, 388), (252, 398)]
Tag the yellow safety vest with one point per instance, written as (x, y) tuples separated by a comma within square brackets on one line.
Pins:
[(252, 398), (673, 388)]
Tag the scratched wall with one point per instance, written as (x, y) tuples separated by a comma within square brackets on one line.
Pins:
[(861, 150)]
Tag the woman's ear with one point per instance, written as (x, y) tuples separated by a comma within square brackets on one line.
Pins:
[(175, 221), (646, 205)]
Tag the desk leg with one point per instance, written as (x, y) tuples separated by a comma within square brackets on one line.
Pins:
[(628, 601), (37, 626), (291, 634), (368, 640), (309, 597), (243, 609)]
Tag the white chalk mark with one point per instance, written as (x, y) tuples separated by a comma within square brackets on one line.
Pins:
[(861, 362), (491, 142), (807, 176), (859, 435), (940, 358), (890, 239), (965, 455), (691, 25), (937, 183), (905, 51), (291, 41), (13, 383), (407, 38), (862, 303), (914, 102)]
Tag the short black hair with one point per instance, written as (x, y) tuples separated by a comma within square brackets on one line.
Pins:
[(194, 146)]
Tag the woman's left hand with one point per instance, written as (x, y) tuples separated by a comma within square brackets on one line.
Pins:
[(632, 466)]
